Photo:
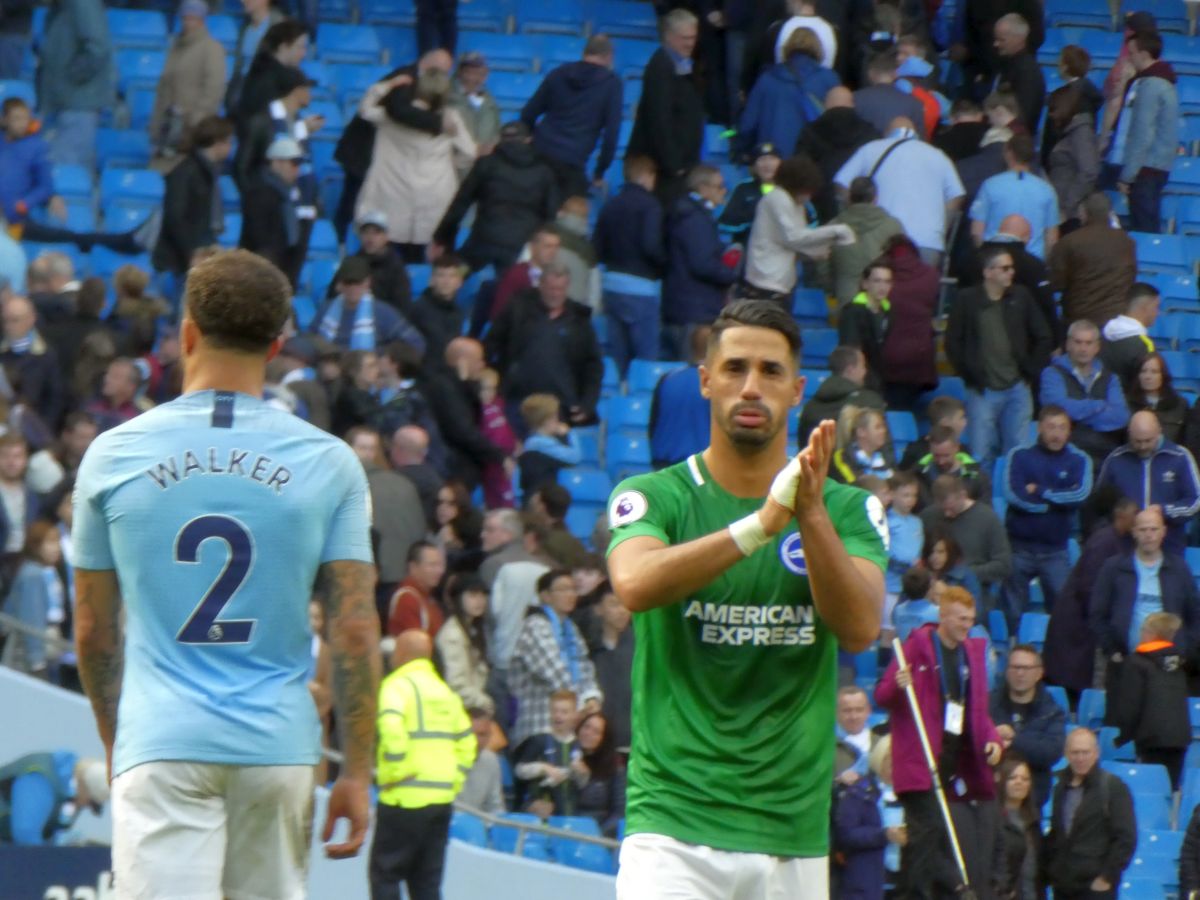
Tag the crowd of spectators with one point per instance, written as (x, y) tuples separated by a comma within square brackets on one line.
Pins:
[(904, 159)]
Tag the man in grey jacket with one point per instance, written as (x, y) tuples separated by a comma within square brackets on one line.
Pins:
[(75, 78), (1146, 137)]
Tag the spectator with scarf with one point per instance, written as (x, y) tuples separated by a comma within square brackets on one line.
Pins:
[(550, 655), (353, 320), (865, 448), (37, 599)]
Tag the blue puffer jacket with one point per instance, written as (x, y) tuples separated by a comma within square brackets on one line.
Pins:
[(786, 98), (76, 59), (1168, 478), (575, 102), (24, 175), (1152, 105), (695, 285)]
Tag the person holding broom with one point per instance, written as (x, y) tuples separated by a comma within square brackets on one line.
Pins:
[(947, 671)]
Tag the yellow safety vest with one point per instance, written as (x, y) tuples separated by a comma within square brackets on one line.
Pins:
[(426, 746)]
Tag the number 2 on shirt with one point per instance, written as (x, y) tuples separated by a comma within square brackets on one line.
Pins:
[(202, 626)]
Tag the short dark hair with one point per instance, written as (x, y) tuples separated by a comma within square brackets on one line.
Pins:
[(405, 357), (637, 165), (211, 130), (1138, 290), (876, 264), (757, 314), (884, 62), (598, 45), (1050, 410), (238, 300), (1026, 648), (416, 548), (915, 583), (546, 580), (1074, 60), (902, 478), (940, 434), (556, 499), (1020, 148), (11, 103), (799, 175), (842, 358), (964, 106), (1150, 42), (92, 296), (450, 261), (989, 255), (287, 31), (862, 190), (943, 407)]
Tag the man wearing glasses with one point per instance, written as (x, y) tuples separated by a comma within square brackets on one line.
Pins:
[(995, 338), (1029, 722)]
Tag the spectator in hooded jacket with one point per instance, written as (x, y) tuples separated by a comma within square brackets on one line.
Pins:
[(192, 84), (1030, 723), (1044, 484), (571, 107), (1126, 339), (698, 276), (909, 354), (845, 386), (25, 176), (788, 95), (1146, 138), (864, 322), (629, 245), (1073, 160), (669, 124), (513, 191), (1088, 390), (872, 226), (1155, 472)]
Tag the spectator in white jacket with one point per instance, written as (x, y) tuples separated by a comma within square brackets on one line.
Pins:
[(781, 233)]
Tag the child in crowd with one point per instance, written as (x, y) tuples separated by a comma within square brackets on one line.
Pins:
[(355, 402), (551, 445), (906, 538), (37, 598), (1151, 703), (497, 476), (544, 762), (918, 602)]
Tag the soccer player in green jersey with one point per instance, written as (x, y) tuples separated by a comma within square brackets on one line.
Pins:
[(745, 571)]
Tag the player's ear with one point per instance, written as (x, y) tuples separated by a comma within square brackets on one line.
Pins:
[(705, 375), (189, 335), (798, 389)]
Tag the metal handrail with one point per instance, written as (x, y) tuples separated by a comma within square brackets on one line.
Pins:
[(9, 623)]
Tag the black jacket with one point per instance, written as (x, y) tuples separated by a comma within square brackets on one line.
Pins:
[(514, 192), (455, 405), (1031, 273), (263, 83), (1012, 846), (859, 327), (357, 143), (254, 138), (1039, 733), (1023, 78), (1101, 839), (186, 218), (1115, 594), (980, 23), (264, 231), (830, 140), (834, 393), (1189, 857), (961, 141), (1028, 334), (1150, 704), (440, 321), (669, 125), (629, 233), (536, 354)]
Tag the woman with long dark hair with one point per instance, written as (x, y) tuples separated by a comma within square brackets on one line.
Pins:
[(1015, 876), (1073, 163), (1153, 390), (598, 774), (943, 558), (459, 527), (461, 642)]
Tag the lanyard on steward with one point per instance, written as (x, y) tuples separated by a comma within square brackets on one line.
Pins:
[(963, 670)]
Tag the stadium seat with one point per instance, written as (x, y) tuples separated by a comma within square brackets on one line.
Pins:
[(1169, 15), (644, 374), (1179, 292), (1189, 96), (1151, 810), (586, 485), (388, 12), (1142, 889), (578, 824), (997, 626), (1142, 778), (335, 10), (304, 309), (231, 200), (483, 15), (550, 17), (810, 308), (1185, 177), (589, 444), (610, 381), (1159, 845), (505, 838), (137, 28), (504, 52), (1194, 716), (630, 58), (1165, 332), (469, 829), (80, 217), (224, 30), (1103, 46), (589, 857), (625, 19), (131, 187), (351, 81), (72, 182), (119, 219), (1087, 13), (630, 413), (1032, 629), (22, 89), (348, 44), (512, 88), (626, 454), (818, 344), (141, 107), (233, 231), (122, 149), (1165, 253), (556, 49), (104, 262), (903, 426), (1059, 694), (139, 68), (581, 521), (323, 244), (1090, 713)]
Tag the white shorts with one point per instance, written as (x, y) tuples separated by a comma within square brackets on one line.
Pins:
[(202, 831), (657, 867)]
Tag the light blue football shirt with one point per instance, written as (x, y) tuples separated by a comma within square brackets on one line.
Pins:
[(1022, 193), (215, 510)]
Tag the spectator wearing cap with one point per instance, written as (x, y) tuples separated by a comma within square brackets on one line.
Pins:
[(46, 792), (1017, 69), (260, 16), (475, 104), (788, 95), (75, 78), (629, 245), (191, 86), (872, 226), (193, 215), (270, 221), (413, 174), (669, 124), (390, 283), (1017, 191), (572, 106), (354, 320), (737, 216), (280, 52), (544, 343), (830, 140), (513, 192)]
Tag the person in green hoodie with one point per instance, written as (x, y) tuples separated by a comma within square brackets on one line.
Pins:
[(843, 387), (873, 226)]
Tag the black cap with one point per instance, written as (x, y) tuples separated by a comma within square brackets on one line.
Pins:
[(353, 270), (290, 79), (766, 148)]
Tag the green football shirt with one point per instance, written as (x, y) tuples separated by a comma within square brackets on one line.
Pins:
[(734, 687)]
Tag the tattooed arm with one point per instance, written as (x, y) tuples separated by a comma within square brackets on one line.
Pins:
[(99, 647), (348, 591)]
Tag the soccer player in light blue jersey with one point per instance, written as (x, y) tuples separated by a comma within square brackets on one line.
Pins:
[(208, 523)]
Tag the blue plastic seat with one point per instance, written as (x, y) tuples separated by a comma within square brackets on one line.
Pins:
[(589, 857), (141, 107), (1103, 46), (903, 426), (22, 89), (626, 455), (1162, 253), (997, 626), (131, 187), (1032, 629), (1142, 778), (630, 57), (1189, 96), (630, 413), (581, 521), (104, 262), (550, 17), (80, 216), (484, 15), (625, 19), (1149, 888), (818, 344), (337, 43), (504, 52), (1151, 810), (578, 824), (586, 485), (469, 829), (1179, 292), (556, 49), (810, 308), (224, 30), (1059, 694), (119, 219), (644, 374), (388, 12), (139, 68), (351, 80), (335, 11), (505, 837), (1090, 13), (1092, 702), (1185, 176), (512, 87), (323, 244), (1159, 845), (610, 381), (72, 182), (122, 149), (137, 28), (232, 234)]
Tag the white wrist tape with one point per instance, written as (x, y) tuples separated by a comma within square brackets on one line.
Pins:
[(748, 534), (783, 488)]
